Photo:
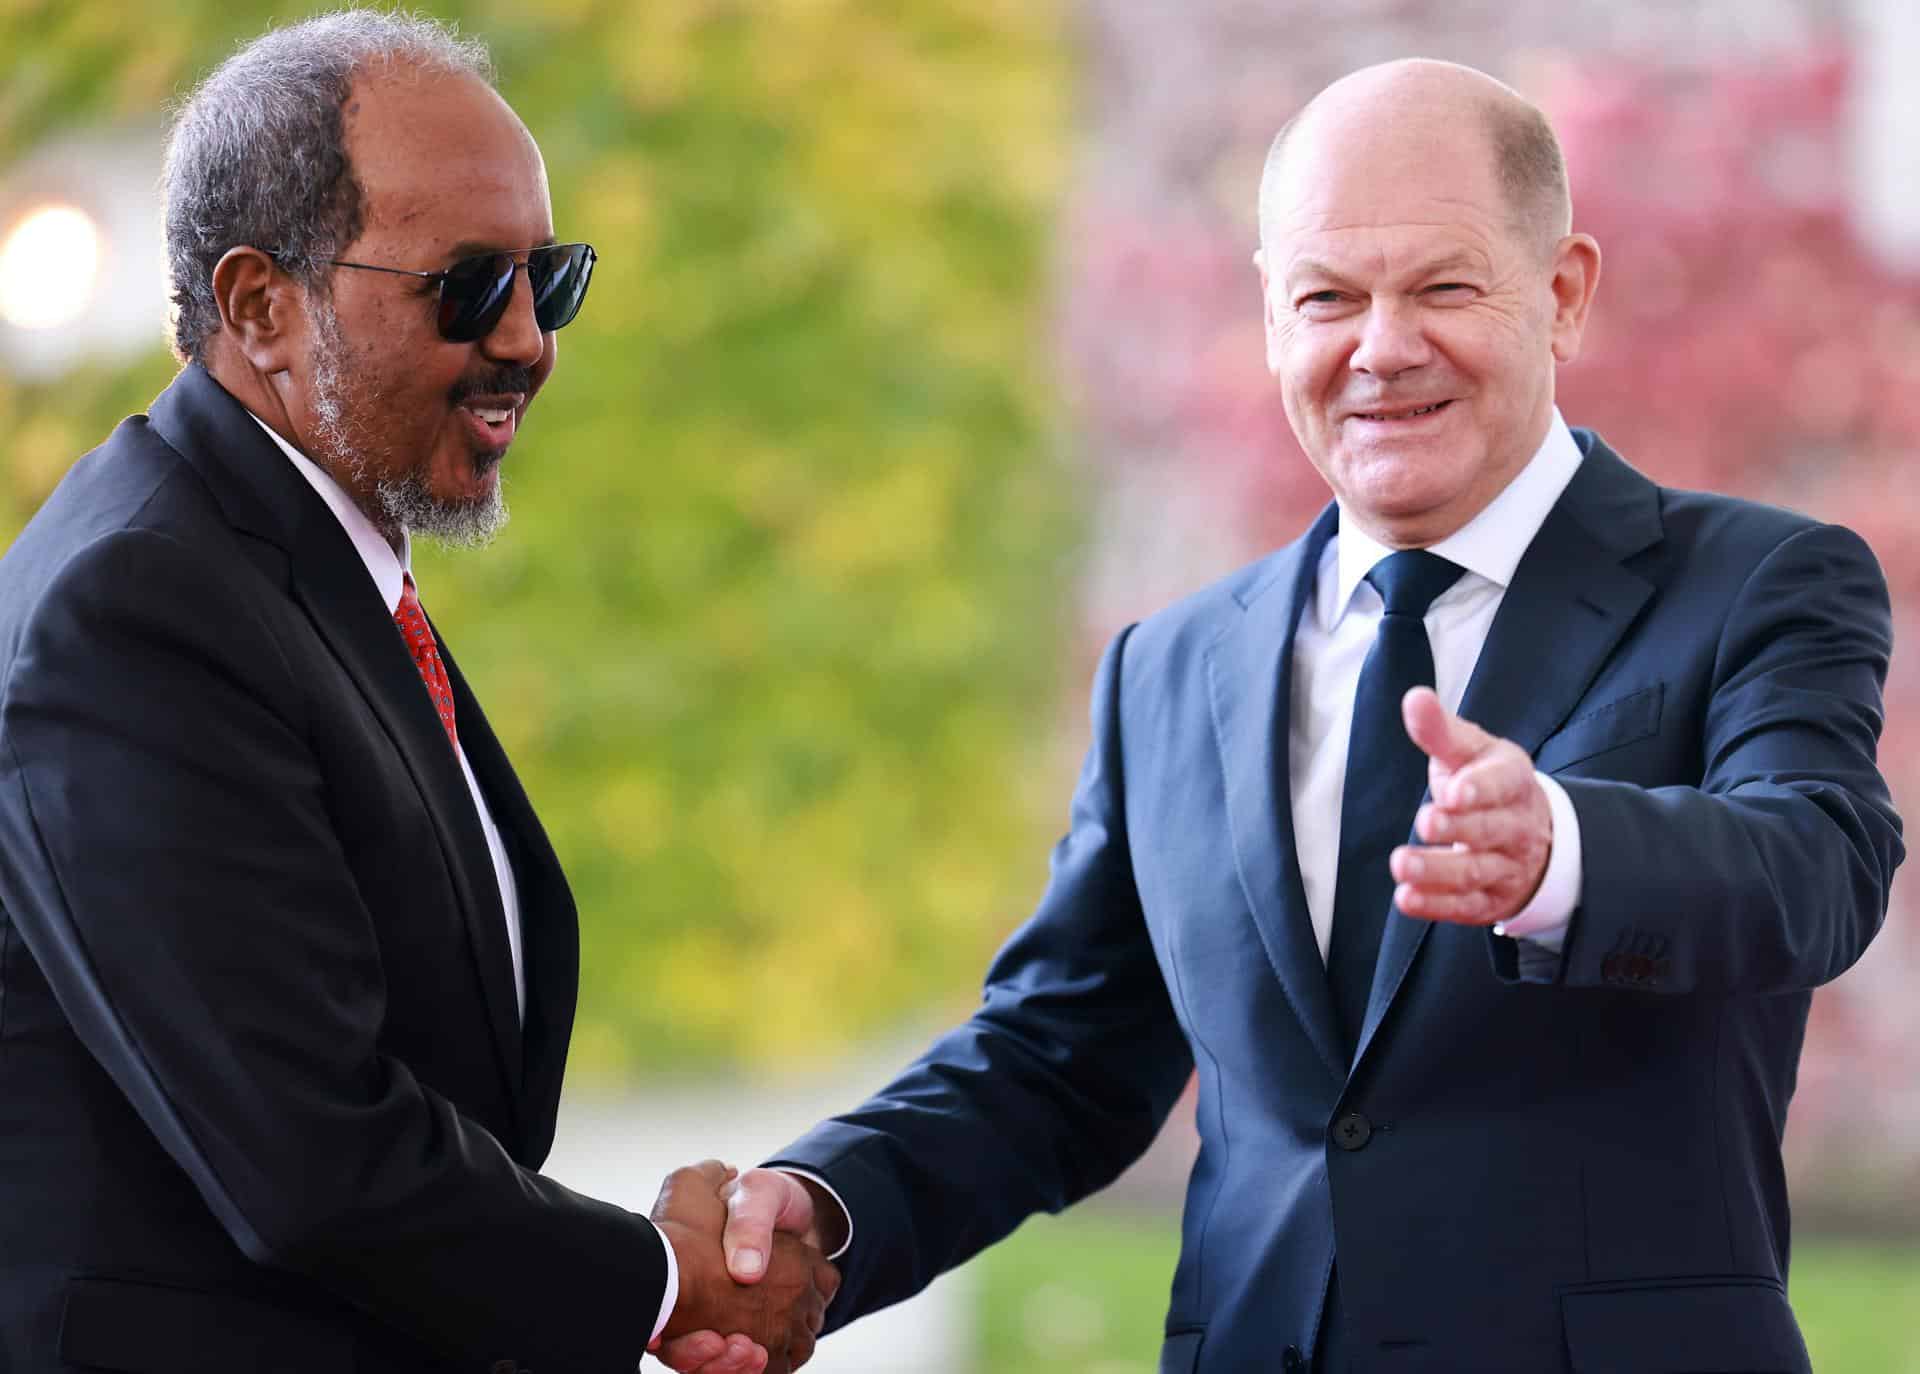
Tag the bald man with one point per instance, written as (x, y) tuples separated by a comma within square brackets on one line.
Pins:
[(1480, 850)]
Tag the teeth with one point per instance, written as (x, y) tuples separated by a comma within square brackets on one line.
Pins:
[(493, 417), (1424, 410)]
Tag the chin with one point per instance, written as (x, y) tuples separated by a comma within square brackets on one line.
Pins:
[(469, 477)]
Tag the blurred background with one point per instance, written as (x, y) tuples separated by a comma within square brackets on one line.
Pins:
[(924, 354)]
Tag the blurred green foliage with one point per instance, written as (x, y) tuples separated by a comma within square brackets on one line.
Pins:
[(774, 637)]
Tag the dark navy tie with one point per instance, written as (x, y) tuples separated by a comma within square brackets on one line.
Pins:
[(1386, 776)]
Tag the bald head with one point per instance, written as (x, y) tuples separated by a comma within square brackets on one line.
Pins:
[(1420, 287), (1424, 109)]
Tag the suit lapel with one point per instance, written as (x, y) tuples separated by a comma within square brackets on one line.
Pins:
[(349, 614), (264, 496), (550, 932), (1570, 601), (1249, 672)]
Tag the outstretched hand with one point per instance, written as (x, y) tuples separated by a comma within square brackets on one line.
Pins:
[(771, 1324), (1488, 830)]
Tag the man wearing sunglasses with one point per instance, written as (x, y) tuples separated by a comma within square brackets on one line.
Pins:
[(287, 966)]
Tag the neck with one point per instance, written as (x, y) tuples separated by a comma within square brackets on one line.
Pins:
[(264, 396)]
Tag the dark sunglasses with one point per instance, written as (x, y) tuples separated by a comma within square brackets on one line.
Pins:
[(474, 292)]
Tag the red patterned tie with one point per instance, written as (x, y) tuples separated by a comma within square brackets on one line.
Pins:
[(426, 654)]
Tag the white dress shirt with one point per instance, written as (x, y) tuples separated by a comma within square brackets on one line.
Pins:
[(1337, 628), (388, 570)]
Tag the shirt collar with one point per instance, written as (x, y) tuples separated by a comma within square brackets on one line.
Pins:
[(384, 566), (1493, 542)]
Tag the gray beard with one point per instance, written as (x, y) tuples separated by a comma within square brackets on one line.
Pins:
[(403, 502)]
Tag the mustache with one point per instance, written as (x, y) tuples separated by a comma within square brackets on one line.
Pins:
[(493, 382)]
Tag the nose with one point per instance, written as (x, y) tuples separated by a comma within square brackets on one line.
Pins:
[(1391, 340), (516, 337)]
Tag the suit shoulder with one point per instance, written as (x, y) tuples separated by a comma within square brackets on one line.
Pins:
[(132, 480), (131, 521), (1740, 534), (1737, 517), (1188, 626)]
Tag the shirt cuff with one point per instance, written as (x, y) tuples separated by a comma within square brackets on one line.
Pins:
[(1544, 920), (833, 1193), (672, 1294)]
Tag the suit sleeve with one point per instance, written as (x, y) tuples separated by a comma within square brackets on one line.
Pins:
[(167, 854), (1059, 1081), (1772, 874)]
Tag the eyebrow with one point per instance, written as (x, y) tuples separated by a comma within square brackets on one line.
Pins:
[(1453, 262), (1310, 267)]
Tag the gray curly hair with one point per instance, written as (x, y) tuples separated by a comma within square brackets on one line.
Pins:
[(257, 154)]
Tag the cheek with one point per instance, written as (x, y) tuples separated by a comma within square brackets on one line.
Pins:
[(1311, 379), (1509, 346)]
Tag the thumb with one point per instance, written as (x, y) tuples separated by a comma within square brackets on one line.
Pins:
[(759, 1203), (1444, 737)]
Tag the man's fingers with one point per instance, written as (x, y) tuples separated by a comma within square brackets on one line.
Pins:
[(1476, 908), (811, 1314), (826, 1282), (1498, 777), (1450, 870), (742, 1357), (707, 1352), (759, 1203), (1435, 825), (690, 1352), (713, 1171), (1503, 827), (1442, 736)]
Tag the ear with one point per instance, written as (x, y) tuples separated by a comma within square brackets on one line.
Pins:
[(1576, 272), (262, 309), (1266, 313)]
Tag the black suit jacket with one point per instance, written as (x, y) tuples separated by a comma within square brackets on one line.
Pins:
[(1515, 1177), (265, 1099)]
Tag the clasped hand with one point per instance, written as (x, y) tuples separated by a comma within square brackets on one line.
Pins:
[(1487, 832), (720, 1325)]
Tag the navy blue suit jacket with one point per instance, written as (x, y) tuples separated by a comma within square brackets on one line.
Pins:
[(265, 1100), (1514, 1175)]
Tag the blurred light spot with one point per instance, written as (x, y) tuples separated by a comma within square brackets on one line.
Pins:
[(49, 267)]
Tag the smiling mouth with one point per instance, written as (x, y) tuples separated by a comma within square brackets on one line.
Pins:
[(1382, 416), (490, 424)]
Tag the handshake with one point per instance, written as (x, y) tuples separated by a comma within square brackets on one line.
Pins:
[(754, 1278)]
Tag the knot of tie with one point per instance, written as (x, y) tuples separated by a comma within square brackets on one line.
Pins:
[(1411, 580)]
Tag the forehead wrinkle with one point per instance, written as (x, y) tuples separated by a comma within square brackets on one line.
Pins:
[(1380, 252), (1386, 204), (1379, 226)]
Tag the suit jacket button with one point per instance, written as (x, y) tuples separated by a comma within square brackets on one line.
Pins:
[(1292, 1361), (1352, 1131)]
